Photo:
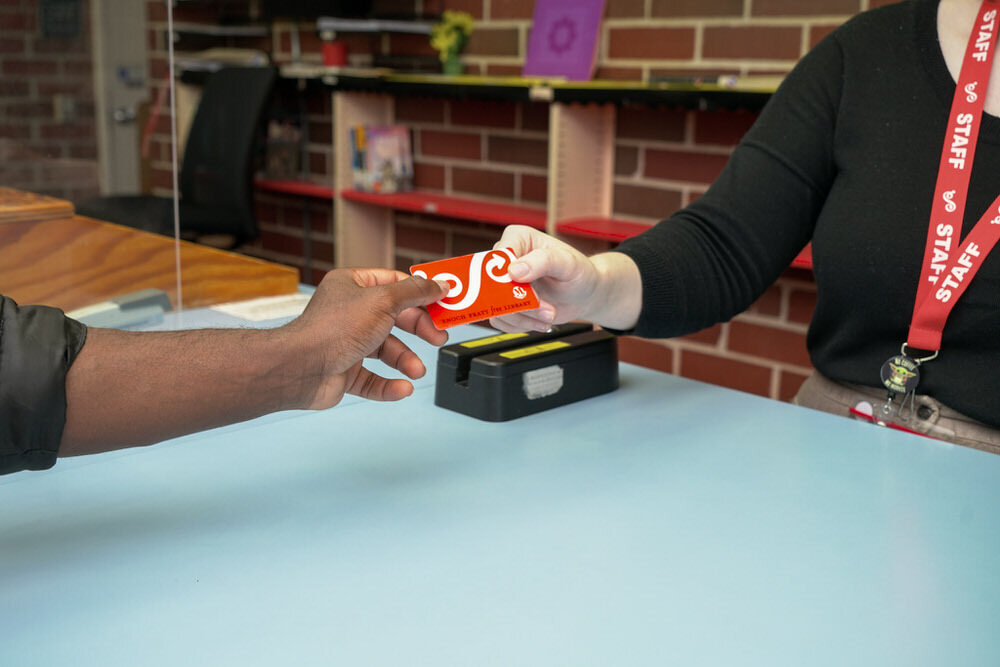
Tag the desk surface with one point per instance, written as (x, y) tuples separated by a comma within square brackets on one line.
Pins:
[(670, 522), (72, 262)]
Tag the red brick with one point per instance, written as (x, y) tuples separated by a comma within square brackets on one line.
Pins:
[(626, 160), (683, 165), (647, 353), (466, 244), (651, 43), (74, 68), (619, 73), (17, 21), (156, 11), (472, 7), (83, 89), (360, 43), (419, 110), (534, 188), (789, 383), (290, 215), (409, 44), (494, 42), (511, 9), (322, 250), (738, 375), (530, 152), (768, 343), (535, 117), (321, 132), (464, 145), (319, 163), (696, 8), (13, 88), (282, 242), (483, 182), (420, 239), (645, 201), (709, 336), (83, 152), (769, 303), (264, 211), (429, 176), (12, 67), (499, 69), (12, 45), (818, 32), (76, 131), (799, 8), (757, 42), (801, 304), (625, 9), (722, 127), (28, 109), (482, 113), (650, 124)]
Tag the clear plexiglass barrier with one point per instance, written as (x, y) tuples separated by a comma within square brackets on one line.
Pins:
[(130, 137)]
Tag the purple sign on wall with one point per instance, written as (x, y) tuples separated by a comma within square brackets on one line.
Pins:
[(564, 36)]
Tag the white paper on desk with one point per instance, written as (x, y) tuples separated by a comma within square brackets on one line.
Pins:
[(266, 307)]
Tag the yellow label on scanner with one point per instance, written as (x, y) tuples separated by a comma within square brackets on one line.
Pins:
[(479, 342), (534, 349)]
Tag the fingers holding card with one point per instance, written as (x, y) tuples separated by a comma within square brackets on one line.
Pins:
[(481, 288)]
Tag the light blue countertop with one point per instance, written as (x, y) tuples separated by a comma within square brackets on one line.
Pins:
[(667, 523)]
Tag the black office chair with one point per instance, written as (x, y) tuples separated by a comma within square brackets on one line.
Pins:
[(216, 179)]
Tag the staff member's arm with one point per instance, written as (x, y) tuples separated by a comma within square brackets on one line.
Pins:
[(131, 388)]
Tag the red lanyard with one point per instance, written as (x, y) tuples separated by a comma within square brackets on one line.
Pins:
[(949, 265)]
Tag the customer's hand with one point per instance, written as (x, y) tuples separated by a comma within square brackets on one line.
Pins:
[(349, 318), (604, 289)]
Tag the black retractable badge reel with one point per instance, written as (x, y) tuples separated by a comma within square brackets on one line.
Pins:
[(900, 376)]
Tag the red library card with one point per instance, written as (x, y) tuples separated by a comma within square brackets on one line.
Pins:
[(480, 288)]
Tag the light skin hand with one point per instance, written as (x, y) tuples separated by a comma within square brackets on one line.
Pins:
[(132, 388), (605, 289)]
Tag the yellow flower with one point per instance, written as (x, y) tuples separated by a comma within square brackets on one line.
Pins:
[(449, 36)]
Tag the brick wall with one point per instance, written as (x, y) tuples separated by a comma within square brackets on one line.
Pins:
[(664, 157), (38, 150)]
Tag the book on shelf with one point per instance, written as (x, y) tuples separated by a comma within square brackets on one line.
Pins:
[(381, 158)]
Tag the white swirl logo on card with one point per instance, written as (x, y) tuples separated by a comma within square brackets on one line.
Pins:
[(520, 292), (495, 263)]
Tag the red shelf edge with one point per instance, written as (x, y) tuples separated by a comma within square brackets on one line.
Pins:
[(290, 187), (452, 207)]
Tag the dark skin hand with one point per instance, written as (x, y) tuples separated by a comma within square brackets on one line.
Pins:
[(134, 388)]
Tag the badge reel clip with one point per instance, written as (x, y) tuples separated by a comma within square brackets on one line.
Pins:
[(900, 375)]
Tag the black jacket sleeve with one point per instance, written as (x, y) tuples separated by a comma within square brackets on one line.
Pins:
[(37, 346), (712, 259)]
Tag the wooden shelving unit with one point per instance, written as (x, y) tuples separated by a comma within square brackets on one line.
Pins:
[(581, 153)]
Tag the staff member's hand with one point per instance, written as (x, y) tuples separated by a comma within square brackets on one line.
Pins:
[(350, 317), (604, 289)]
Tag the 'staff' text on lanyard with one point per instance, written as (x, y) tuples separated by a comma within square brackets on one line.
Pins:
[(949, 265)]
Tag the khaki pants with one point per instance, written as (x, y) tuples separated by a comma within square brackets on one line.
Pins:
[(928, 416)]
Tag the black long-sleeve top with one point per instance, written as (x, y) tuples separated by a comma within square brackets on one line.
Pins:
[(845, 154), (37, 346)]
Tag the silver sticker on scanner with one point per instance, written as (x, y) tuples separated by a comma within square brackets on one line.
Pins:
[(543, 382)]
